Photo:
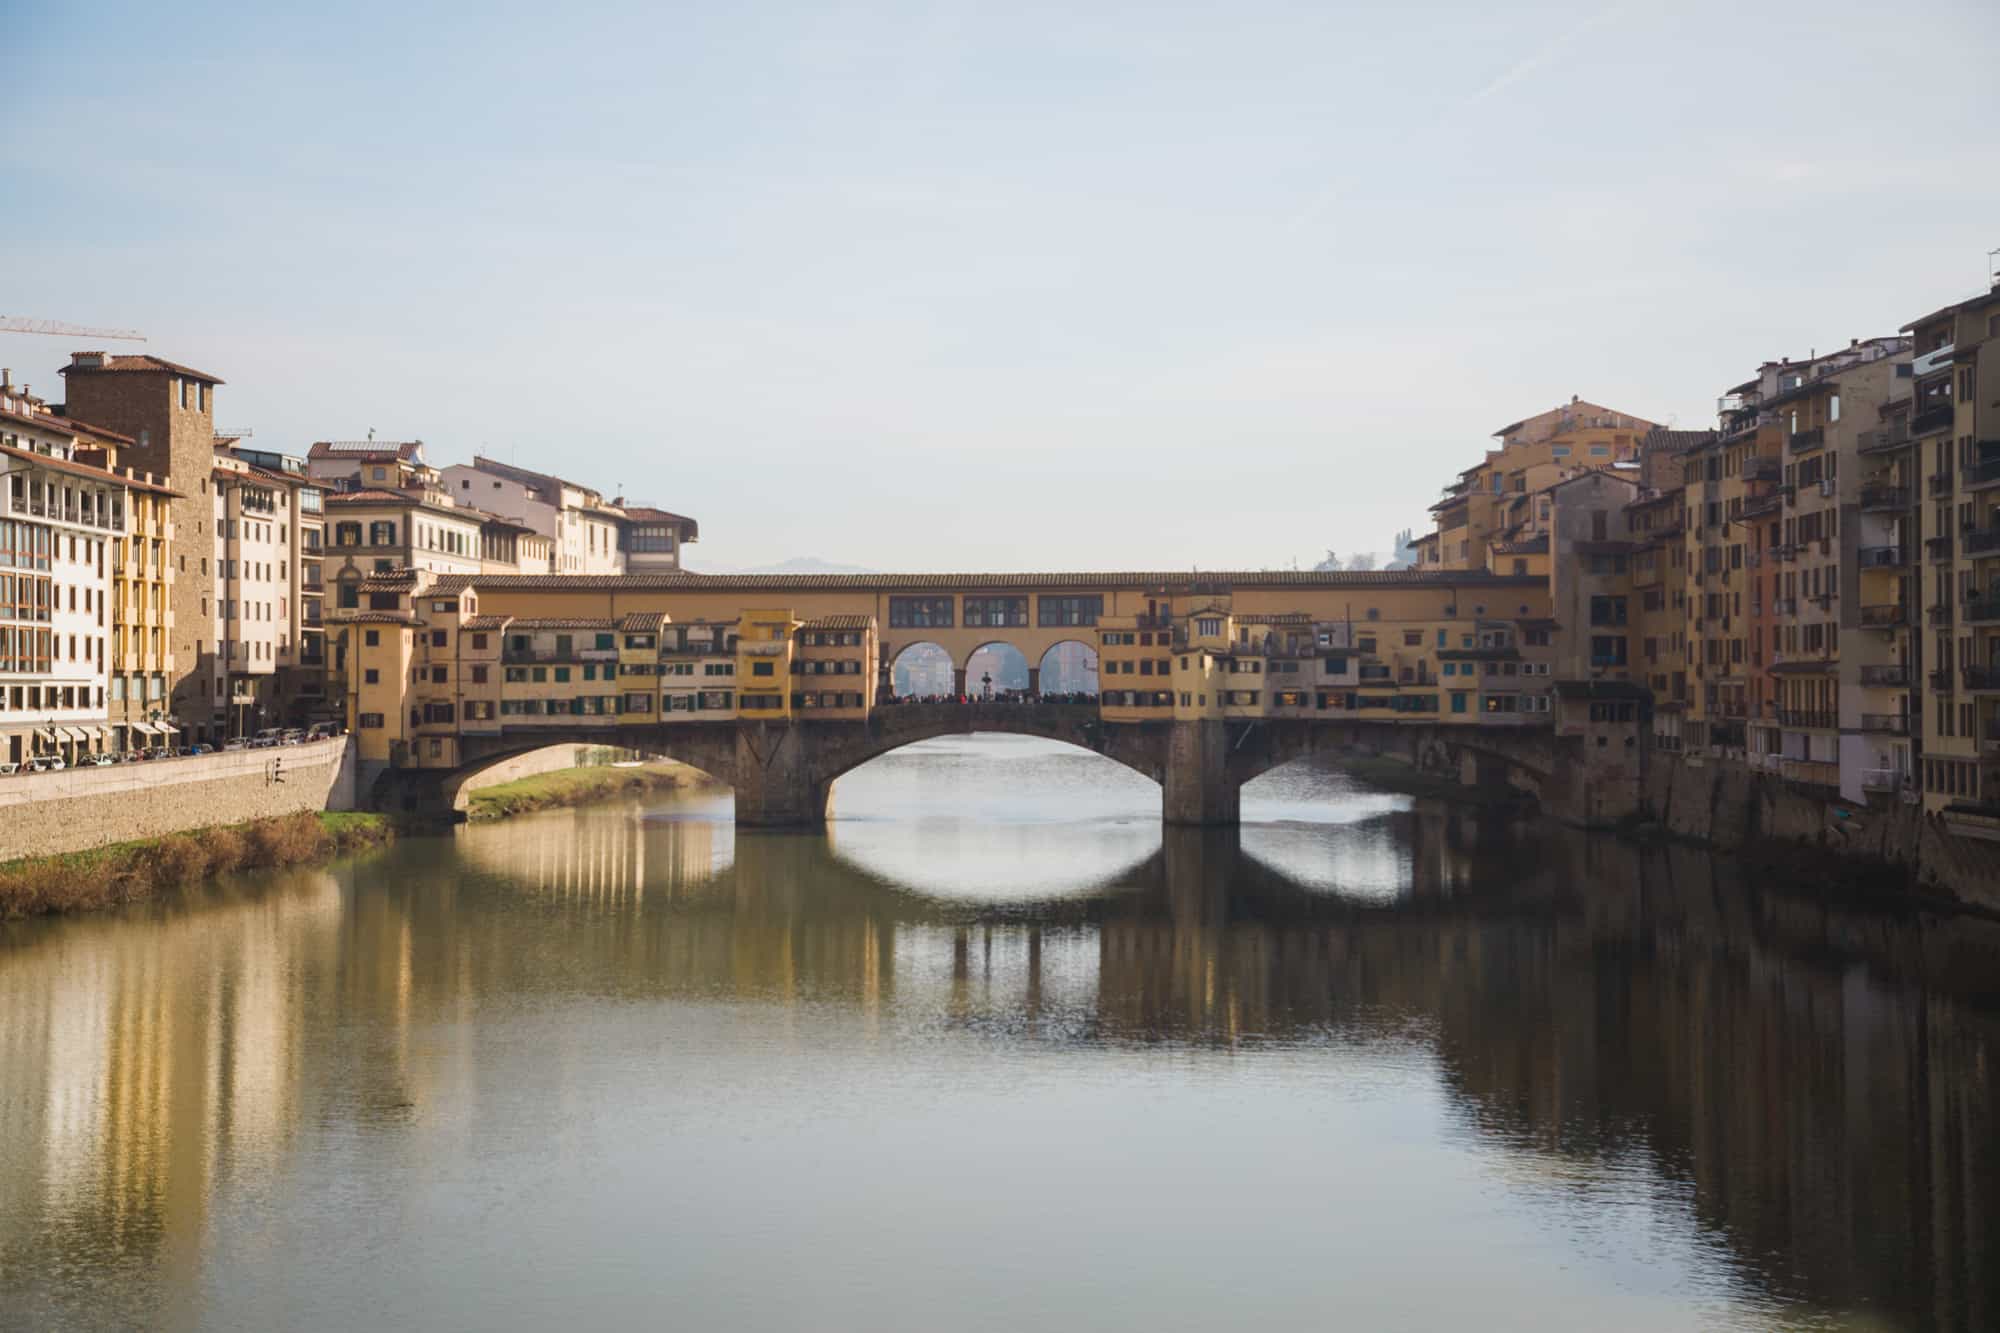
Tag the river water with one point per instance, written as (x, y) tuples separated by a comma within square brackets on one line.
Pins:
[(998, 1052)]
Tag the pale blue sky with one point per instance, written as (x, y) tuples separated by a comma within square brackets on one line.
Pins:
[(990, 286)]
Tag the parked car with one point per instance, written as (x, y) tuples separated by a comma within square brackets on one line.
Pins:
[(238, 744), (320, 731), (47, 763), (293, 735), (96, 761), (201, 749), (8, 769)]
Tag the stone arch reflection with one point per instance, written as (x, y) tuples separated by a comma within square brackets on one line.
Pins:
[(606, 856)]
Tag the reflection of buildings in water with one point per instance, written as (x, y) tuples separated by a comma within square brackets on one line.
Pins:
[(604, 856), (139, 1055)]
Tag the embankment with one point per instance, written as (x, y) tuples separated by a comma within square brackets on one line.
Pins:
[(126, 872), (44, 814)]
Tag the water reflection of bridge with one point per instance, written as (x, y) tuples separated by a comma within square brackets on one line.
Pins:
[(1583, 1003)]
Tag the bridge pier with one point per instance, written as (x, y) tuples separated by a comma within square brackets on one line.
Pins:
[(775, 786), (1198, 787)]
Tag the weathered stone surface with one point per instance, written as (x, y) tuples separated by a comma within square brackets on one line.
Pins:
[(45, 813)]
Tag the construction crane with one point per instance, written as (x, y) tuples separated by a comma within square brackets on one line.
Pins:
[(53, 328)]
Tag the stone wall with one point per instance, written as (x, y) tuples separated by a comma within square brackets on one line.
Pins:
[(1732, 807), (46, 813)]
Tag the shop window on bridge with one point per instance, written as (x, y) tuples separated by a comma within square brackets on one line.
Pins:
[(763, 669), (1614, 711), (1607, 610), (1289, 699), (996, 612), (435, 712), (371, 721), (1503, 703), (920, 612), (1058, 611), (760, 703), (1607, 650)]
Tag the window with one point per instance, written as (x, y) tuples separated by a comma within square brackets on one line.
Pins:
[(763, 669), (372, 638), (1069, 610), (371, 721), (1208, 625), (1607, 610), (1607, 650), (996, 611), (479, 675), (920, 612)]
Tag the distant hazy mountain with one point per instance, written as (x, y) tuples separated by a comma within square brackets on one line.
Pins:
[(798, 564)]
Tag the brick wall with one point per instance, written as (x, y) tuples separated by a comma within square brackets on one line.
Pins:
[(45, 813)]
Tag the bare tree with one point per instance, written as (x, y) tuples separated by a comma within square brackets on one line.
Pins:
[(1328, 565)]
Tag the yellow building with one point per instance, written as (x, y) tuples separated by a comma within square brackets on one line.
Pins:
[(764, 665)]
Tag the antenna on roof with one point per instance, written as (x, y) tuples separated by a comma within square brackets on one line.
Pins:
[(371, 433)]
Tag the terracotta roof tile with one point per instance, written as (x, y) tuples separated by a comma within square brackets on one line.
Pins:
[(897, 583), (642, 622), (562, 622), (484, 622), (140, 361), (76, 469), (839, 622)]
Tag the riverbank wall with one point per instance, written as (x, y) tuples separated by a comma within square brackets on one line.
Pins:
[(46, 814), (1729, 807)]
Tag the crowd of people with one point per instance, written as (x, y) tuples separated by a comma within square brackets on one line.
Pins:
[(997, 697)]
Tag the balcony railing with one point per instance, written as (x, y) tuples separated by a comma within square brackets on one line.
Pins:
[(1938, 548), (1875, 499), (1808, 439), (1931, 418), (1941, 483), (1806, 717), (1940, 614), (1886, 675), (1883, 779), (1982, 610), (1943, 680), (1762, 468), (1783, 552), (1981, 678), (1887, 724), (1895, 435), (1886, 615), (1980, 540), (1980, 476), (1883, 557)]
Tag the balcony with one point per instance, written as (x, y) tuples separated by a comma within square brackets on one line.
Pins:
[(1884, 499), (1978, 679), (1938, 548), (1941, 614), (1805, 441), (1983, 610), (1785, 606), (1980, 541), (1783, 552), (1886, 615), (1941, 483), (1883, 557), (1886, 724), (1763, 468), (1759, 505), (1982, 476), (1888, 439), (1932, 419), (1943, 680), (1886, 675), (1883, 779), (525, 656), (1803, 717)]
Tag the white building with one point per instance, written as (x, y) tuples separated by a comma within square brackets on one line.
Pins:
[(586, 532), (58, 519)]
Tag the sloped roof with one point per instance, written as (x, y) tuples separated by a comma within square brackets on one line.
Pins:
[(562, 622), (137, 361), (683, 581), (640, 622), (839, 622)]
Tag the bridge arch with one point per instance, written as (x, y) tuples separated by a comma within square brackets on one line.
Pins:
[(920, 668), (1074, 663), (1005, 663)]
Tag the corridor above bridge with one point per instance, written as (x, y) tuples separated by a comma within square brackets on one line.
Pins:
[(443, 671)]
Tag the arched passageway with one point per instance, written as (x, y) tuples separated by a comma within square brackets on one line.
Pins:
[(923, 670), (998, 671), (1068, 669)]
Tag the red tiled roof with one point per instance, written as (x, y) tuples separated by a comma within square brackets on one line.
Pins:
[(63, 425), (365, 451), (370, 618), (642, 621), (1106, 581), (647, 514), (484, 622), (839, 622), (563, 622), (81, 469), (140, 361)]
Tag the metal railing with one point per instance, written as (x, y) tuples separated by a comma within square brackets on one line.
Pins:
[(1981, 475), (1895, 435), (1883, 557), (1887, 615), (1875, 498), (1978, 540), (1939, 548), (1981, 678), (1883, 779), (1886, 675), (1941, 483), (1810, 438), (1892, 724), (1805, 717), (1932, 418)]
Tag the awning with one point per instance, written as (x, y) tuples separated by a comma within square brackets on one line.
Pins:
[(44, 733), (166, 729), (75, 734), (145, 728)]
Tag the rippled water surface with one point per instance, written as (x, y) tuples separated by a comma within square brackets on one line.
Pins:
[(998, 1052)]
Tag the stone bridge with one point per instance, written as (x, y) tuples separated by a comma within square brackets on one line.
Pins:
[(783, 773)]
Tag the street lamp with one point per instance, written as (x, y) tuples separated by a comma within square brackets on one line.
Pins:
[(986, 679)]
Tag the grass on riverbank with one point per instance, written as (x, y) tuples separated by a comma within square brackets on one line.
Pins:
[(125, 872), (577, 786)]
